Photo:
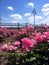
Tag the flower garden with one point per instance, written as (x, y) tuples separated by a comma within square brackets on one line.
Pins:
[(24, 46)]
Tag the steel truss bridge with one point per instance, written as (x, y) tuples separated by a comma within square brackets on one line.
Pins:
[(15, 25)]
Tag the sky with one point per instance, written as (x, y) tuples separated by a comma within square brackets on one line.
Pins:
[(14, 11)]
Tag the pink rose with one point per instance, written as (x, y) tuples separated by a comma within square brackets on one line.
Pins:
[(27, 43), (4, 47), (16, 43)]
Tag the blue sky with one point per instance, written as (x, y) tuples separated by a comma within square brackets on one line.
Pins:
[(14, 11)]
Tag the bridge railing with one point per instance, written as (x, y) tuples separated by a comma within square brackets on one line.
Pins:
[(17, 25)]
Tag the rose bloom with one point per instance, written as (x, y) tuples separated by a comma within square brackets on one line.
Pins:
[(12, 48), (44, 37), (4, 47), (16, 43), (38, 38), (24, 30), (30, 28), (27, 44)]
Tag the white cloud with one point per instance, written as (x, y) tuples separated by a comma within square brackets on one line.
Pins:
[(14, 21), (46, 5), (2, 19), (31, 4), (37, 18), (16, 16), (10, 8), (31, 19), (27, 14), (47, 13), (45, 9), (46, 20)]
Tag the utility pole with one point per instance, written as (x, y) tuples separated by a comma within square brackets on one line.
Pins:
[(34, 12)]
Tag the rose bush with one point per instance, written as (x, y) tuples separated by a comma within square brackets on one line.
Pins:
[(27, 47)]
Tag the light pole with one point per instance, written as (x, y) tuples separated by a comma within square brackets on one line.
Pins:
[(34, 12)]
